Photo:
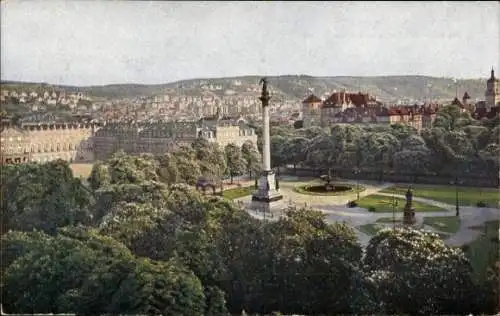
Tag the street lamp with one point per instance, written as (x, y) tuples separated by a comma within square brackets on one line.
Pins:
[(456, 182), (355, 171), (394, 204)]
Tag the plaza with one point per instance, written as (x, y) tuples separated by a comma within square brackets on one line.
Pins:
[(336, 210)]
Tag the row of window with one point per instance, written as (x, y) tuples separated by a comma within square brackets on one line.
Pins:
[(48, 148)]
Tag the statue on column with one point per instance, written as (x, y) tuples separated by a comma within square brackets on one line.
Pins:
[(265, 94), (263, 81), (409, 196)]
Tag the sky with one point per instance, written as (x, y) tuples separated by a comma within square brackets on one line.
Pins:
[(107, 42)]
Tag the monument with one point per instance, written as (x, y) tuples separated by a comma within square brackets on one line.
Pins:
[(409, 211), (267, 197)]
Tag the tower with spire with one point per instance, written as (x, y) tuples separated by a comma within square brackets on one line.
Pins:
[(492, 94)]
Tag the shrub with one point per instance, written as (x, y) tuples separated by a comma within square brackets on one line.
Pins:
[(481, 204), (372, 209), (352, 204)]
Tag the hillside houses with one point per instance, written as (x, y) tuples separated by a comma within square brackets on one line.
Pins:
[(42, 99)]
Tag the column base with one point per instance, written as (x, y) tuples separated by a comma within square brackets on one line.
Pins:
[(267, 192), (267, 199)]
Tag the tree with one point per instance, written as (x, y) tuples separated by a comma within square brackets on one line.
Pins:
[(278, 155), (99, 176), (187, 165), (167, 169), (296, 149), (252, 158), (235, 161), (451, 117), (44, 197), (125, 168), (414, 272), (412, 161), (83, 272), (211, 159), (310, 265)]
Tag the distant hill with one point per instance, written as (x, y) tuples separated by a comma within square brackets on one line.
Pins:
[(291, 87)]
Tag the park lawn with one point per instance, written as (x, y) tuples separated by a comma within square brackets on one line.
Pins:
[(238, 192), (371, 229), (447, 194), (388, 220), (399, 220), (483, 252), (446, 224), (382, 204)]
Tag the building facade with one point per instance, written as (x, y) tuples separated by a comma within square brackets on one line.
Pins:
[(161, 137), (46, 141), (311, 111)]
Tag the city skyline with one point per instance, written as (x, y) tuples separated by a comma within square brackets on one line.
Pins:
[(99, 43)]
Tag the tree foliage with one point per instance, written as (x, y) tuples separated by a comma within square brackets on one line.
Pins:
[(235, 161), (43, 196), (414, 272), (138, 239)]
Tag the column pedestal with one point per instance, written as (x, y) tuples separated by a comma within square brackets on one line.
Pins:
[(266, 198), (409, 216)]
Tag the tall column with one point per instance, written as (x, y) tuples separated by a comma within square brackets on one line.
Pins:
[(267, 192), (266, 150)]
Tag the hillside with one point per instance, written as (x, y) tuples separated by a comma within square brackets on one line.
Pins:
[(292, 87)]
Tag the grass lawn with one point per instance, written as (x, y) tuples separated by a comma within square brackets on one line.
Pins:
[(447, 224), (388, 220), (483, 252), (371, 229), (382, 204), (238, 192), (447, 194)]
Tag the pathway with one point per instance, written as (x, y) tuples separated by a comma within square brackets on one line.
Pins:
[(335, 209)]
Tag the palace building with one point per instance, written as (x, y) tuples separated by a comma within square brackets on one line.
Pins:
[(161, 137), (45, 140)]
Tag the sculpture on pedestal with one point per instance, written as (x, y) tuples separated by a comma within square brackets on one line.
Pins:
[(409, 211)]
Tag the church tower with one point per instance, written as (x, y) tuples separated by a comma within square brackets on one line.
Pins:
[(492, 94)]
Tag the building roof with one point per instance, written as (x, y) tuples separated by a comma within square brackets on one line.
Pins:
[(311, 99), (357, 99), (466, 96), (456, 101), (334, 100), (398, 110)]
